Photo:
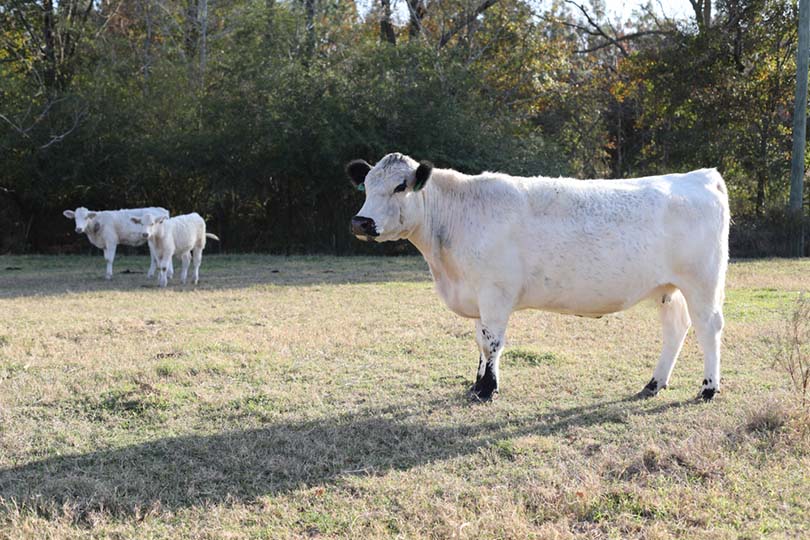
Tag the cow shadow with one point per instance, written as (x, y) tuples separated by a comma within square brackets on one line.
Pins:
[(241, 466)]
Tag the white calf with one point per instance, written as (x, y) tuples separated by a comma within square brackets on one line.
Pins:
[(181, 235), (497, 243), (107, 228)]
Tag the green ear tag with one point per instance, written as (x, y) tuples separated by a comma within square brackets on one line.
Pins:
[(360, 187)]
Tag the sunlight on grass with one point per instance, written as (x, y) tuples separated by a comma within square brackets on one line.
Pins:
[(326, 397)]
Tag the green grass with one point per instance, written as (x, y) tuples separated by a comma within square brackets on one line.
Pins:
[(320, 397)]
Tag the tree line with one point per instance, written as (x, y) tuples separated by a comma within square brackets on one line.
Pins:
[(246, 110)]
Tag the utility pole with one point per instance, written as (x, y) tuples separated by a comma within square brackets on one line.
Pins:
[(795, 213)]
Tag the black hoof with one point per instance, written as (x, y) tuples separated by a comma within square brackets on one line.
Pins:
[(482, 397), (483, 390), (707, 394), (651, 390)]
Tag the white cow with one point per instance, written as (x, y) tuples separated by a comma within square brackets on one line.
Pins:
[(180, 235), (497, 243), (107, 228)]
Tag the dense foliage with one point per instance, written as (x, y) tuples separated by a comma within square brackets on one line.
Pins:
[(246, 110)]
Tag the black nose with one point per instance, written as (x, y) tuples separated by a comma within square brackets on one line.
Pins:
[(145, 235), (363, 226), (79, 229)]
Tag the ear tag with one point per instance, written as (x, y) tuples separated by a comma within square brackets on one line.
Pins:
[(360, 187)]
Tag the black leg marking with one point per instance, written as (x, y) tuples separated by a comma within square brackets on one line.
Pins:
[(708, 394), (650, 390), (485, 387)]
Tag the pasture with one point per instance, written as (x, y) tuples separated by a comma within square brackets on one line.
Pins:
[(321, 397)]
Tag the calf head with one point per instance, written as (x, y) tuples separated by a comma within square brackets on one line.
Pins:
[(84, 219), (392, 207), (149, 224)]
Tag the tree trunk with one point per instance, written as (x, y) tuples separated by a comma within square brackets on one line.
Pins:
[(795, 214), (703, 14), (48, 30), (417, 11), (309, 48), (147, 44), (386, 27), (203, 42)]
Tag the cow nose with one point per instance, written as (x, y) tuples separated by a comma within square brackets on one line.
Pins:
[(79, 230), (145, 235), (363, 226)]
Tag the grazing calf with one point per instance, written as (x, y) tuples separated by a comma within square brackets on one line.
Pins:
[(181, 235), (107, 228), (497, 243)]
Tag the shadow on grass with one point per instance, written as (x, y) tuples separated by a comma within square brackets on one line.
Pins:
[(181, 472), (43, 275)]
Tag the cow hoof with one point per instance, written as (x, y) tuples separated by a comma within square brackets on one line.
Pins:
[(707, 394), (651, 390), (483, 397), (483, 392)]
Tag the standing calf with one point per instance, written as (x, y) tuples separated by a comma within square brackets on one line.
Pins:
[(107, 228), (497, 243), (181, 235)]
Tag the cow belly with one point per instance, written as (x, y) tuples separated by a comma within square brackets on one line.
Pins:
[(460, 299), (593, 299)]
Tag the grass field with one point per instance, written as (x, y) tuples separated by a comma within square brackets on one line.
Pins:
[(319, 397)]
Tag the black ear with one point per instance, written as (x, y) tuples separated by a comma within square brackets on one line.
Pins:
[(357, 170), (422, 174)]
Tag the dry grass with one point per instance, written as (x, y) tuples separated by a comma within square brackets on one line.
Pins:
[(319, 397)]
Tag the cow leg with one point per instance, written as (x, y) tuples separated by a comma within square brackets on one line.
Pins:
[(152, 263), (186, 258), (163, 271), (109, 256), (675, 323), (490, 336), (706, 310), (197, 253)]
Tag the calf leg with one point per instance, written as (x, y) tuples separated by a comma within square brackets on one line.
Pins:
[(109, 256), (675, 323), (152, 263), (164, 264), (197, 261), (186, 258)]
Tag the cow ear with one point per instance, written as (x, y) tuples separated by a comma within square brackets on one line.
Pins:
[(422, 174), (70, 214), (357, 170)]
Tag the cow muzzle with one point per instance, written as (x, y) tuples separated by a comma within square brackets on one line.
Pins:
[(79, 230), (363, 226)]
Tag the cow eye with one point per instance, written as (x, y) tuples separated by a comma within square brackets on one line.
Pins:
[(400, 187)]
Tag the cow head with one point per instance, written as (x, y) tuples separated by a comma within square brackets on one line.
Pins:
[(84, 219), (391, 209), (150, 225)]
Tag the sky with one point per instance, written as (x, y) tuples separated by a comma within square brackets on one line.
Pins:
[(676, 9)]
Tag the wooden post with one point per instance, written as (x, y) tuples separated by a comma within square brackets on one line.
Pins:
[(795, 214)]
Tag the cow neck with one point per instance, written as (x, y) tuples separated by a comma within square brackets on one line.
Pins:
[(160, 239), (432, 237)]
